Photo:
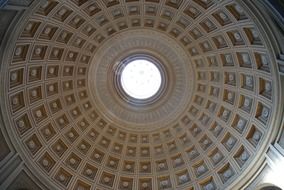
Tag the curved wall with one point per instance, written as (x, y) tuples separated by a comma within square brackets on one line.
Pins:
[(62, 127)]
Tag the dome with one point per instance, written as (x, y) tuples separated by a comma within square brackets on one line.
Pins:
[(141, 94)]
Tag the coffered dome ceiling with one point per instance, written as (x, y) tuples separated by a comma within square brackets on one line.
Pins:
[(75, 127)]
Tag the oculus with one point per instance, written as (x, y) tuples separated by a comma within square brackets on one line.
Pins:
[(141, 79)]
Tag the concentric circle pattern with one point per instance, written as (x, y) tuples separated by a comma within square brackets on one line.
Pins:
[(163, 108), (206, 127)]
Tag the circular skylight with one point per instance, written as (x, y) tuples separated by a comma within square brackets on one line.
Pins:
[(141, 79)]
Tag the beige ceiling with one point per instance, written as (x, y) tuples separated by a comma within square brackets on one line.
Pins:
[(209, 129)]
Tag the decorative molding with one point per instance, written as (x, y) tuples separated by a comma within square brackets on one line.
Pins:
[(223, 101)]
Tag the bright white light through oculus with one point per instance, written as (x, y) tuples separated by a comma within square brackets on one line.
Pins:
[(141, 79)]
